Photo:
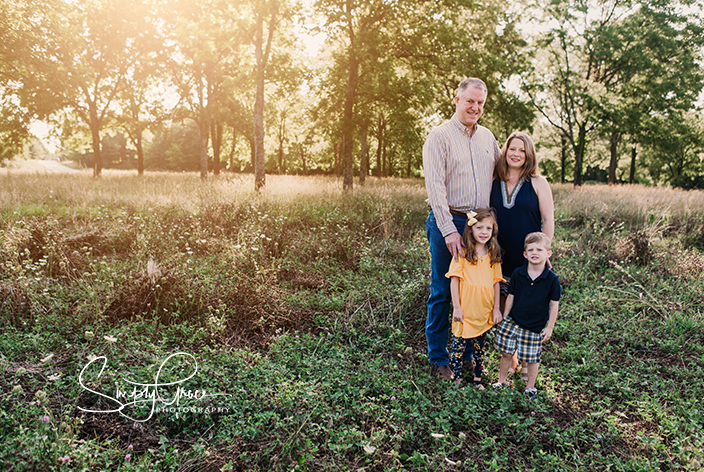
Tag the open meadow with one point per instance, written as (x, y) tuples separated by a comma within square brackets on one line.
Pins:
[(163, 323)]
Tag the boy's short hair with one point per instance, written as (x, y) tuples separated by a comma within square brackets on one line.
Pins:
[(537, 237)]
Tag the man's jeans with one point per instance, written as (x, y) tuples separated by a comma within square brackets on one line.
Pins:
[(437, 324)]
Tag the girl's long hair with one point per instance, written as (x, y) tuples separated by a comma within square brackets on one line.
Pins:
[(492, 245), (530, 166)]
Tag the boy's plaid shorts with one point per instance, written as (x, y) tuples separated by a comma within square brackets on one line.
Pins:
[(510, 337)]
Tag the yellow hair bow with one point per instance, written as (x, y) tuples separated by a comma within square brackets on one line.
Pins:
[(471, 218)]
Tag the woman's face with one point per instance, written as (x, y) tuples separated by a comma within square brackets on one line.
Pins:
[(516, 154)]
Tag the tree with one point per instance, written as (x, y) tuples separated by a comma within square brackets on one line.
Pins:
[(564, 83), (649, 63), (90, 58), (675, 144), (409, 56), (140, 104), (609, 64), (266, 11), (206, 38), (22, 26)]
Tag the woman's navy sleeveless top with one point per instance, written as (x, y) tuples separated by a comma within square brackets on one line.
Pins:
[(516, 219)]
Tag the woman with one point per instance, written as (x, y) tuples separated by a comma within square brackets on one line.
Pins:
[(523, 203)]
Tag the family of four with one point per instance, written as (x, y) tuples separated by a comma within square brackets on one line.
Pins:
[(491, 215)]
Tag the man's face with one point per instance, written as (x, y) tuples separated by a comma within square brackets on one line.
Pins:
[(470, 105)]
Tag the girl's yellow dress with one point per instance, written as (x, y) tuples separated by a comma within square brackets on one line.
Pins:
[(476, 291)]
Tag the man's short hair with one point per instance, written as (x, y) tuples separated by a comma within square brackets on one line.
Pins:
[(471, 82), (537, 237)]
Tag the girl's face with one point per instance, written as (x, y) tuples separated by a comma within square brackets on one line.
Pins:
[(483, 230), (516, 154)]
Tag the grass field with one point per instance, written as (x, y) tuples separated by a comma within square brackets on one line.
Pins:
[(163, 323)]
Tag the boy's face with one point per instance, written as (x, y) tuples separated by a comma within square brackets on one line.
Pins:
[(537, 253)]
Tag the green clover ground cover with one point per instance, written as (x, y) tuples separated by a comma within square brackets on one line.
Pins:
[(304, 310)]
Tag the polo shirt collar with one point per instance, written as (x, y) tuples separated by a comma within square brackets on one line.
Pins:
[(523, 270)]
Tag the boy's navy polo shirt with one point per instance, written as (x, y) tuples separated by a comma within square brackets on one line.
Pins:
[(531, 298)]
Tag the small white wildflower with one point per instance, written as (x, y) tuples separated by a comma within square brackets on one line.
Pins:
[(437, 435), (110, 339), (369, 449)]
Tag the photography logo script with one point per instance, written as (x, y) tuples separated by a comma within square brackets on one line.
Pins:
[(167, 393)]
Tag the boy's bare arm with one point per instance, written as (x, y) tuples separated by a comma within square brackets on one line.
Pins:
[(508, 305), (547, 332), (457, 314)]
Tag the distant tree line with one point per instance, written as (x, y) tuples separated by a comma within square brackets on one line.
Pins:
[(610, 88)]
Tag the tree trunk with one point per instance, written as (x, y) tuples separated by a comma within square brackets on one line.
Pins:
[(348, 123), (282, 134), (303, 159), (384, 160), (216, 136), (613, 162), (259, 162), (261, 57), (231, 157), (140, 154), (563, 159), (250, 140), (204, 134), (95, 136), (350, 98), (579, 156), (632, 173), (364, 159), (380, 144), (337, 166)]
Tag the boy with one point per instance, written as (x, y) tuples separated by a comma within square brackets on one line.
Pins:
[(532, 303)]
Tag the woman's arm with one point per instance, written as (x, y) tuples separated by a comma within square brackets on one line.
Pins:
[(547, 206)]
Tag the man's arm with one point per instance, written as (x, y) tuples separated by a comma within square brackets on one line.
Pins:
[(434, 165), (453, 241)]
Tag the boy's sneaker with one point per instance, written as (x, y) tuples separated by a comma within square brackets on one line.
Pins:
[(532, 394)]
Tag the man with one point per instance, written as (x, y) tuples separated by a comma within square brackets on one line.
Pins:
[(458, 159)]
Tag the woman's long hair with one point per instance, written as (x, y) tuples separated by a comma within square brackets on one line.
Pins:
[(492, 245), (530, 166)]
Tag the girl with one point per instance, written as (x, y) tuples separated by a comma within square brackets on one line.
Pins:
[(474, 284)]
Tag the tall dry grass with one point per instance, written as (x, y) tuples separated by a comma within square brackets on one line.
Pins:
[(186, 190), (630, 204)]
